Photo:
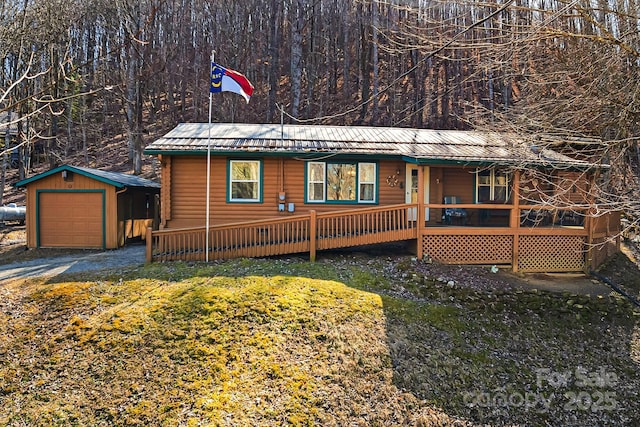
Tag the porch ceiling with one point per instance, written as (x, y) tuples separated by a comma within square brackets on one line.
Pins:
[(423, 145)]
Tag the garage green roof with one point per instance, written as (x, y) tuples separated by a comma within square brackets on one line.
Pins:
[(117, 179)]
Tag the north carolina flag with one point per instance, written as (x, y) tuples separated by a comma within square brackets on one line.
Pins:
[(226, 80)]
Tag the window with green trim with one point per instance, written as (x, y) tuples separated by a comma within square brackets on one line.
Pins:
[(244, 180), (492, 185), (316, 172), (367, 182), (341, 182)]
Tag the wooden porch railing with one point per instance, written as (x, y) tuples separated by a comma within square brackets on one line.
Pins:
[(365, 226), (534, 238), (300, 233)]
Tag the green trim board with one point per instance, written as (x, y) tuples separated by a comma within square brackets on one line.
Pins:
[(492, 163), (318, 155), (104, 210)]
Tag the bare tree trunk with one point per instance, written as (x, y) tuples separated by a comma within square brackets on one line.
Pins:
[(346, 48), (131, 100), (296, 56), (3, 167), (418, 89), (138, 145), (374, 47), (274, 57), (490, 100), (24, 151), (134, 94), (365, 63)]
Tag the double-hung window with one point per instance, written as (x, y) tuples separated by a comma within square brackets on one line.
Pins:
[(492, 185), (245, 181), (341, 182)]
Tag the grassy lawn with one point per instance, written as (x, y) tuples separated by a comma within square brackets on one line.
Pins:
[(358, 341)]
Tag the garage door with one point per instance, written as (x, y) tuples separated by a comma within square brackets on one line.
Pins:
[(71, 220)]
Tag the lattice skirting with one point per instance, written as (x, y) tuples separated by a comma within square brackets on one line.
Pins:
[(535, 253), (551, 253), (465, 249)]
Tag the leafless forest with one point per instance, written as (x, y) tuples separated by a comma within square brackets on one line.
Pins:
[(76, 73)]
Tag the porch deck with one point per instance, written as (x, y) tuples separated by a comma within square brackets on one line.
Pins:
[(523, 246)]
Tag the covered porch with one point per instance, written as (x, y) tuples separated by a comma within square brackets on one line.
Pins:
[(511, 221)]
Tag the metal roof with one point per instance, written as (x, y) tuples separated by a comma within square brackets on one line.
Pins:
[(117, 179), (423, 145)]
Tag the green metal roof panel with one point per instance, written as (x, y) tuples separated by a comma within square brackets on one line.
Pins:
[(117, 179)]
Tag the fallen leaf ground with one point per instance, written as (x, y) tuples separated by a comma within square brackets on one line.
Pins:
[(348, 340)]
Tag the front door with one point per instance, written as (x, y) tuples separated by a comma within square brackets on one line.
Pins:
[(411, 194)]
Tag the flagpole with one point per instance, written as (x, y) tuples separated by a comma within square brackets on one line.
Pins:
[(206, 257)]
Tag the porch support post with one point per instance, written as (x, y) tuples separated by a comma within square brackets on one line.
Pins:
[(590, 223), (420, 214), (165, 190), (313, 232), (149, 251), (514, 221)]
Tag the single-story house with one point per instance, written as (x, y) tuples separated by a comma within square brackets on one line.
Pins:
[(78, 207), (461, 196)]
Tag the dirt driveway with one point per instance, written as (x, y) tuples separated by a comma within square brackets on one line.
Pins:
[(53, 266)]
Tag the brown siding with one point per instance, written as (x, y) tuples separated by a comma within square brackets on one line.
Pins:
[(572, 187), (391, 195), (80, 182), (458, 182), (188, 191), (436, 185), (565, 186), (450, 181)]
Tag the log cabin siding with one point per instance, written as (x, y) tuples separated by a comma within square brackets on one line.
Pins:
[(436, 185), (572, 187), (458, 182), (391, 195), (184, 205)]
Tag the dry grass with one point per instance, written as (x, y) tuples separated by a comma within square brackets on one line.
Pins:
[(218, 350), (345, 341)]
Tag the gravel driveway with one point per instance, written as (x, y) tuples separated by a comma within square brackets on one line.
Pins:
[(52, 266)]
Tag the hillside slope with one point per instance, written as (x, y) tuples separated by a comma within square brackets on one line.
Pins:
[(110, 154), (349, 340)]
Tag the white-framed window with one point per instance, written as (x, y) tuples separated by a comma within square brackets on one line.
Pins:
[(341, 182), (367, 182), (492, 185), (316, 172), (245, 181)]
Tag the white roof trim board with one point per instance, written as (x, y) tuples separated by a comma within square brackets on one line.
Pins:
[(420, 144)]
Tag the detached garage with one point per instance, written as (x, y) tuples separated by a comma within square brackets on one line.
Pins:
[(75, 207)]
